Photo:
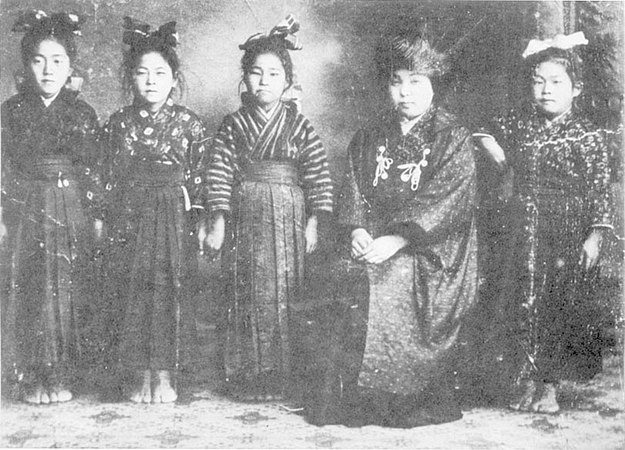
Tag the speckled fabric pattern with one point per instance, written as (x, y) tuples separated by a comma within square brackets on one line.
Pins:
[(421, 186)]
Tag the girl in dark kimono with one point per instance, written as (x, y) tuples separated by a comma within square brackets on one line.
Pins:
[(560, 204), (50, 200), (155, 164), (408, 202), (269, 178)]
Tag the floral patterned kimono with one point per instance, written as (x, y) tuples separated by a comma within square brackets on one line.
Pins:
[(421, 186), (561, 192), (156, 186), (50, 196), (269, 173)]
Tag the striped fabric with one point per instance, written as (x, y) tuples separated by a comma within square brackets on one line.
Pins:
[(248, 135)]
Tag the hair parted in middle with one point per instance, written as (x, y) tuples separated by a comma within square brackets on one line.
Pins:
[(141, 41), (278, 41), (411, 51)]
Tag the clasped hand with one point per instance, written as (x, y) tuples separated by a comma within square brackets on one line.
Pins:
[(375, 251)]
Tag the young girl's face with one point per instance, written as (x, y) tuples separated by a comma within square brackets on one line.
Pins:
[(50, 67), (552, 89), (266, 80), (410, 92), (153, 80)]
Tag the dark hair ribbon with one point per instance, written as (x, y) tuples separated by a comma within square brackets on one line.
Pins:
[(284, 31), (137, 33), (38, 21)]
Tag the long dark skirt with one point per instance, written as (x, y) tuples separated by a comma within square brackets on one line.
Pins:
[(49, 240), (552, 321), (264, 263), (154, 265)]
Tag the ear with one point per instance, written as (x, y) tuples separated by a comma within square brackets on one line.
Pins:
[(71, 71), (577, 89)]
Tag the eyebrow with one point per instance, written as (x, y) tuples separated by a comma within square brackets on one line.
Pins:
[(56, 55)]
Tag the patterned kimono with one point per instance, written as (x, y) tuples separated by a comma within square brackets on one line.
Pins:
[(421, 186), (50, 194), (561, 192), (268, 174), (156, 186)]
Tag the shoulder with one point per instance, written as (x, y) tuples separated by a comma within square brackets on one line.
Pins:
[(13, 102), (448, 123), (120, 115), (84, 110), (185, 114)]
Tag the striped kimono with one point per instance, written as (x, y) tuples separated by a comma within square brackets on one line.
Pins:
[(267, 175)]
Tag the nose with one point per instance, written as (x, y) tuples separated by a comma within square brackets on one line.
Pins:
[(263, 79), (47, 67), (547, 88), (151, 78), (403, 89)]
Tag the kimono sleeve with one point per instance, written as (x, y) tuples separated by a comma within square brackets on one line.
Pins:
[(221, 166), (197, 160), (11, 186), (445, 204), (596, 158), (352, 205), (88, 156), (316, 181)]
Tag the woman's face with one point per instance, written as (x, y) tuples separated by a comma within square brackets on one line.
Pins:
[(266, 80), (411, 93), (50, 67), (153, 80), (552, 89)]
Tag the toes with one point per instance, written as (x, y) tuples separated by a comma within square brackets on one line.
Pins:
[(63, 395), (53, 397), (45, 398), (33, 398)]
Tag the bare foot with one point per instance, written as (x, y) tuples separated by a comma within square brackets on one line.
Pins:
[(142, 392), (525, 396), (546, 401), (163, 391), (37, 396), (59, 394)]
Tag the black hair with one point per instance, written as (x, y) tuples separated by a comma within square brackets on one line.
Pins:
[(31, 41), (133, 56), (569, 59), (263, 46), (408, 50)]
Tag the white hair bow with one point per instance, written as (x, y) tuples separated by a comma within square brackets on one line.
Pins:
[(560, 41)]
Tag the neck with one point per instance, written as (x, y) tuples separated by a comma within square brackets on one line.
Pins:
[(555, 119), (48, 100)]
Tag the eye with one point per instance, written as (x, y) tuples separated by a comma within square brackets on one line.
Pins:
[(37, 60), (395, 81), (415, 80)]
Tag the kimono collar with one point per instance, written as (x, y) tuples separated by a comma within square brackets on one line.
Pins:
[(64, 96), (541, 122), (165, 112), (268, 114)]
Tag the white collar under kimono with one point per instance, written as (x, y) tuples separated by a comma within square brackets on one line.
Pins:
[(406, 125), (268, 114)]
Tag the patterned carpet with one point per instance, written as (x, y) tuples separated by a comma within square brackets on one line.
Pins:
[(592, 417)]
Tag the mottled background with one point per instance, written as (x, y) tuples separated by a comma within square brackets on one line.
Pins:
[(335, 67)]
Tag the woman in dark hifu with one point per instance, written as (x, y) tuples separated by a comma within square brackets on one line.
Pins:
[(408, 201)]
